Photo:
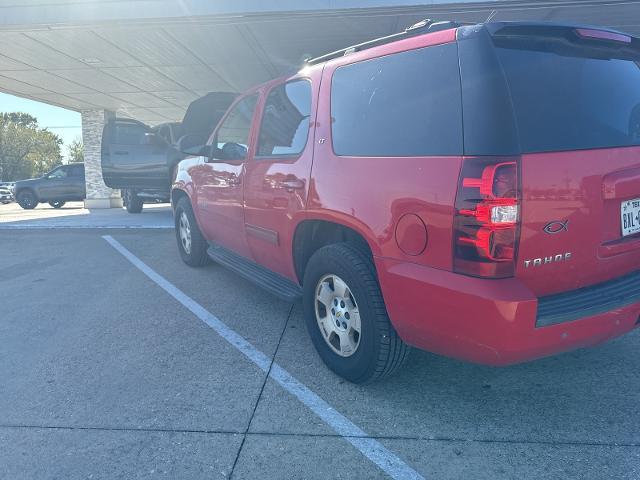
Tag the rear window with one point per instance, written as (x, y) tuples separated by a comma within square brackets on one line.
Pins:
[(400, 105), (572, 102)]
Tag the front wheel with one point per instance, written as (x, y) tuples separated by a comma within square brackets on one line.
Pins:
[(57, 204), (346, 317), (191, 243), (27, 200), (132, 202)]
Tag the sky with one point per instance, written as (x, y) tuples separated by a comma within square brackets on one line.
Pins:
[(63, 122)]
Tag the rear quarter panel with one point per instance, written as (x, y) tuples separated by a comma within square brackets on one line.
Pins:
[(371, 194)]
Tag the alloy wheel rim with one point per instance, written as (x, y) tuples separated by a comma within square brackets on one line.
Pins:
[(185, 232), (337, 315), (28, 199)]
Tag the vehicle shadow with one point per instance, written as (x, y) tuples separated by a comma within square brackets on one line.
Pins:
[(587, 395)]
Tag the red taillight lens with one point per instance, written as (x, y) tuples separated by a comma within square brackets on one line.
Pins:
[(486, 218), (602, 35)]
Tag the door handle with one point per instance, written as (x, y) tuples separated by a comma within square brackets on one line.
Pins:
[(293, 184)]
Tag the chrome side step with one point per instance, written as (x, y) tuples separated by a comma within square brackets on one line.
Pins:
[(272, 282)]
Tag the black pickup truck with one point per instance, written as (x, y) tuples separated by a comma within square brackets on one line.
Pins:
[(141, 160)]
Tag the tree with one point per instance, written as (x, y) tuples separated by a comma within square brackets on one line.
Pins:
[(75, 151), (26, 150), (20, 118)]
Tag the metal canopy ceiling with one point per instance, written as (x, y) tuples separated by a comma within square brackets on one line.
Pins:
[(151, 68)]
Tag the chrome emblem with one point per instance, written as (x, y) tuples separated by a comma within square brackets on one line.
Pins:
[(556, 227), (538, 262)]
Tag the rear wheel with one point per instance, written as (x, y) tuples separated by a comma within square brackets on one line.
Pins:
[(132, 202), (346, 316), (191, 243), (27, 200), (57, 204)]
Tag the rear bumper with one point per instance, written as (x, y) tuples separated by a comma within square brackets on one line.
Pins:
[(491, 322)]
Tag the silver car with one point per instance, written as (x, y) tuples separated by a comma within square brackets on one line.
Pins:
[(6, 196)]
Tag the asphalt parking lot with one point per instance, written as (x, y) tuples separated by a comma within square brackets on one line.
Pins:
[(104, 374)]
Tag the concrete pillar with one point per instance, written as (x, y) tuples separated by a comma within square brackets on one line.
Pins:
[(98, 194)]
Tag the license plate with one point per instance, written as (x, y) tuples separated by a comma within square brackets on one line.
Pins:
[(630, 216)]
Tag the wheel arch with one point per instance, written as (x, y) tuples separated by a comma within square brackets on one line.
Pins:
[(177, 194), (180, 191), (28, 188), (311, 234)]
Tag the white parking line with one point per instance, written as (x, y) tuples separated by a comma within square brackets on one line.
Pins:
[(370, 448)]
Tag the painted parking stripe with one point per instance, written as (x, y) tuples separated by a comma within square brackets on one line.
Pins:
[(369, 447)]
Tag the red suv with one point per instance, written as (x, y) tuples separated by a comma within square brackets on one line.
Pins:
[(473, 191)]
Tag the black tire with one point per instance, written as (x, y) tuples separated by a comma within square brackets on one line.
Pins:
[(380, 352), (197, 254), (57, 204), (27, 200), (132, 202)]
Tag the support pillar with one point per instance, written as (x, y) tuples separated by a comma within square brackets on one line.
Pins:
[(98, 194)]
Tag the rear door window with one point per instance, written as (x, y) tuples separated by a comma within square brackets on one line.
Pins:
[(77, 170), (564, 102), (285, 121), (404, 104)]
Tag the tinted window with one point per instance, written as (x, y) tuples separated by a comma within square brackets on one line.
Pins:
[(233, 135), (285, 121), (60, 172), (406, 104), (565, 102), (77, 170), (129, 133)]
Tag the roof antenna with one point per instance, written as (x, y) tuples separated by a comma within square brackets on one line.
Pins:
[(491, 15)]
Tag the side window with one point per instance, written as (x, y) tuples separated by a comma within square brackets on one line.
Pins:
[(400, 105), (129, 133), (77, 170), (60, 172), (233, 135), (285, 121)]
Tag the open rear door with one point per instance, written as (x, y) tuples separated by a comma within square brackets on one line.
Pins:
[(134, 157)]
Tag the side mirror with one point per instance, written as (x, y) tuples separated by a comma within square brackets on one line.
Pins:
[(193, 145), (233, 151), (198, 150)]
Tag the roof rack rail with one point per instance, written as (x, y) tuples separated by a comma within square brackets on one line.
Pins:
[(422, 27)]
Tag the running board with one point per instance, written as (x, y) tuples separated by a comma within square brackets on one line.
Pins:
[(272, 282)]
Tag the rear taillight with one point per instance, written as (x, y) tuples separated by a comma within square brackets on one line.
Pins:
[(486, 223), (602, 35)]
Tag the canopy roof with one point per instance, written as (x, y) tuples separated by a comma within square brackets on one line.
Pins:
[(147, 59)]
